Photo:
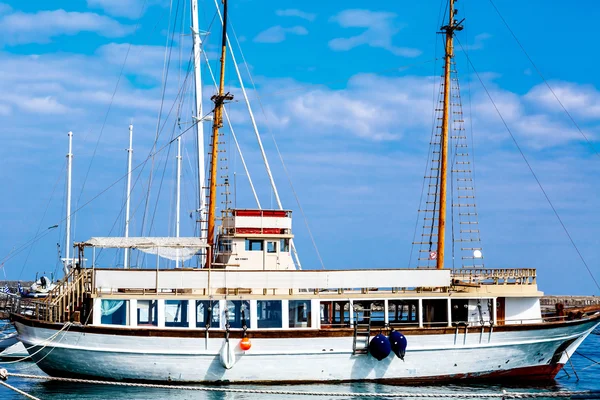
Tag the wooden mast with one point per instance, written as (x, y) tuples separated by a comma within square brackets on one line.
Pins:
[(219, 99), (449, 54)]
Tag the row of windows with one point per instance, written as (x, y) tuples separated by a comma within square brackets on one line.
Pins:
[(257, 245), (269, 313)]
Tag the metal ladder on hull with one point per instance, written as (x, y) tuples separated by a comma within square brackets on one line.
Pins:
[(362, 333)]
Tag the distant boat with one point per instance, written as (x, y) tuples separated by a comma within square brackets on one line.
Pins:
[(249, 314)]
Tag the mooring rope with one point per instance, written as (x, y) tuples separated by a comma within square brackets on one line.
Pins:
[(502, 395)]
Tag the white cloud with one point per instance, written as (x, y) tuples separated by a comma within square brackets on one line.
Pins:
[(478, 42), (358, 111), (44, 105), (277, 34), (380, 28), (120, 8), (19, 27), (580, 100), (5, 110), (5, 8), (296, 13), (141, 59)]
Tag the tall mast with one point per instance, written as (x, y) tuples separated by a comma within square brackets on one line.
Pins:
[(449, 54), (218, 99), (199, 115), (67, 259), (128, 194), (178, 195)]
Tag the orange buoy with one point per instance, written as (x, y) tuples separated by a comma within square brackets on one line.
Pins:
[(245, 344)]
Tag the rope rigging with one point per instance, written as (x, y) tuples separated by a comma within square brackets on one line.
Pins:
[(537, 70), (514, 139)]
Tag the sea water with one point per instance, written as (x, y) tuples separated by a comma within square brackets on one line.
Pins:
[(585, 369)]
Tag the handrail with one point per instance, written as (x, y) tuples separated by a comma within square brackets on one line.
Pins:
[(525, 276)]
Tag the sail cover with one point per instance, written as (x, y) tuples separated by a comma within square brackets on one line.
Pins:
[(172, 248)]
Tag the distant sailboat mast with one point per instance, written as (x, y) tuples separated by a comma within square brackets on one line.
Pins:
[(178, 196), (199, 123), (67, 259), (449, 29), (128, 194)]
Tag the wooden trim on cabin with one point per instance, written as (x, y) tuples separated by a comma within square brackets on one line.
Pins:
[(283, 333)]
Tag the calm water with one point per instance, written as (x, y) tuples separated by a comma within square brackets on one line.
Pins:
[(588, 380)]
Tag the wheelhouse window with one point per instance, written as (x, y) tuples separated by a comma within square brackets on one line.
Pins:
[(176, 313), (269, 314), (238, 313), (271, 247), (300, 314), (147, 312), (284, 245), (114, 312), (207, 310), (335, 314), (254, 245), (403, 312)]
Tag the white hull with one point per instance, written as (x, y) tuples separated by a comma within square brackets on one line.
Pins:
[(16, 351), (8, 340), (537, 353)]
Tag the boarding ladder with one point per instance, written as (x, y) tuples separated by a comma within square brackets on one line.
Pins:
[(362, 332)]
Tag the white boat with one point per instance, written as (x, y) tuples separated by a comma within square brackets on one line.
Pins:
[(17, 351), (250, 314), (7, 339)]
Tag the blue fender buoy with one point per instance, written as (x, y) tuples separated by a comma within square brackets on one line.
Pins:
[(380, 347), (398, 343)]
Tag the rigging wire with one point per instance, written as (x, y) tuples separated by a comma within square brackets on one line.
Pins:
[(590, 144), (112, 98), (42, 219), (165, 77), (432, 136), (180, 94), (530, 168), (287, 174), (35, 238)]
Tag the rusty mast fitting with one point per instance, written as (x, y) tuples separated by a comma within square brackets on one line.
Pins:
[(448, 30), (219, 99)]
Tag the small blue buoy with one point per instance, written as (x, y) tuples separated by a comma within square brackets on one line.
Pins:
[(380, 347), (398, 343)]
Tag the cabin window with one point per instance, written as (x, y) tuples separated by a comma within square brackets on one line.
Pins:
[(147, 312), (254, 245), (176, 313), (300, 315), (403, 312), (268, 313), (238, 313), (435, 313), (370, 312), (207, 310), (114, 312), (335, 314), (225, 246), (284, 245), (271, 247)]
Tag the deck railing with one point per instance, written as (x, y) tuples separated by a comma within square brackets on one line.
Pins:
[(63, 303), (522, 276)]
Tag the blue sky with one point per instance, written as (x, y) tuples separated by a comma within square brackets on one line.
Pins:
[(345, 89)]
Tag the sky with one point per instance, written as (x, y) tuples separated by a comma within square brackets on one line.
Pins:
[(345, 90)]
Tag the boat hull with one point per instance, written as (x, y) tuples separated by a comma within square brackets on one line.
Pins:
[(529, 353)]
